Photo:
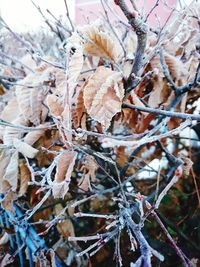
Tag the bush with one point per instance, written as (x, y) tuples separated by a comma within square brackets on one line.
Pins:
[(98, 147)]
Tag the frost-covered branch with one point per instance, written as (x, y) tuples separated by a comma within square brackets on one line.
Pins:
[(141, 30)]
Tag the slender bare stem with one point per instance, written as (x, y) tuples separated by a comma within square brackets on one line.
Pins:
[(177, 249), (166, 113)]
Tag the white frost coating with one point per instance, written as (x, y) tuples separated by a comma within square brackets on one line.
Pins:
[(165, 190), (190, 134), (147, 172), (129, 187)]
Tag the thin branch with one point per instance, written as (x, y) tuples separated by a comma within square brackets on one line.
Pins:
[(112, 28), (99, 243), (47, 21), (144, 246), (57, 21), (165, 190), (24, 42), (152, 9), (102, 135), (31, 212), (178, 90), (11, 67), (80, 202), (166, 113), (166, 72), (87, 238), (54, 64), (141, 30), (115, 14), (68, 16), (146, 139), (92, 215), (177, 249), (134, 5), (178, 231), (10, 78), (16, 61), (24, 128)]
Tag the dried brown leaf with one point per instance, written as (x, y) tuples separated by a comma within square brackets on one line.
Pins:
[(7, 202), (25, 149), (128, 118), (130, 43), (32, 137), (84, 183), (144, 122), (187, 165), (30, 96), (64, 170), (55, 105), (92, 167), (89, 173), (9, 113), (79, 110), (103, 95), (5, 155), (156, 97), (175, 66), (24, 178), (11, 173), (121, 156), (75, 65), (99, 42), (13, 132), (191, 67), (4, 239), (60, 102), (2, 89), (136, 100), (65, 227), (127, 68)]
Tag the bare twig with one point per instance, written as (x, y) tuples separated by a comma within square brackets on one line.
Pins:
[(112, 28), (141, 30), (165, 113), (58, 21), (24, 128), (146, 139), (30, 213), (177, 249), (68, 16), (178, 90), (51, 27), (178, 231), (10, 78), (87, 238), (134, 5), (166, 72), (92, 215), (16, 61), (152, 9), (24, 42)]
